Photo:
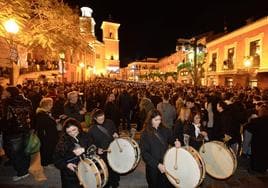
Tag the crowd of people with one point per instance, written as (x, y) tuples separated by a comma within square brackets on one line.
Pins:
[(165, 113)]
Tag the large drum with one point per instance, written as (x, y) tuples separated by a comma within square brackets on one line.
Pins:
[(92, 173), (220, 160), (123, 155), (184, 167)]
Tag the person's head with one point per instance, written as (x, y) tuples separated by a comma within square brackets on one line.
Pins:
[(189, 102), (153, 120), (196, 118), (72, 127), (263, 111), (165, 97), (111, 97), (72, 97), (10, 92), (221, 106), (98, 116), (46, 103), (184, 114)]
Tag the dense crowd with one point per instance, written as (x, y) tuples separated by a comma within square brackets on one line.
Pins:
[(67, 115)]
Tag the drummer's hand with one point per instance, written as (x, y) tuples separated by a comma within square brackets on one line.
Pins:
[(115, 135), (226, 138), (162, 168), (177, 143), (100, 151), (71, 166), (204, 133), (79, 151)]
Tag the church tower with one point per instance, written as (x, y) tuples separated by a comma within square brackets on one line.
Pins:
[(111, 44), (87, 23)]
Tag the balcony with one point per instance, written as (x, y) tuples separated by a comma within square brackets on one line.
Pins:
[(212, 67), (228, 64)]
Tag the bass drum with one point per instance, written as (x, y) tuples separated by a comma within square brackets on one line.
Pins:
[(92, 173), (220, 160), (185, 165), (123, 155)]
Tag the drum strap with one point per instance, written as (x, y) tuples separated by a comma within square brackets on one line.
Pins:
[(103, 130), (160, 139)]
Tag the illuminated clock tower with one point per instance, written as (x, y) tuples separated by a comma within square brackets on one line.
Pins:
[(111, 45)]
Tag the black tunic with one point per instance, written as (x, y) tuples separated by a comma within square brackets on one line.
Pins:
[(259, 154), (64, 155), (101, 140), (153, 151), (48, 135)]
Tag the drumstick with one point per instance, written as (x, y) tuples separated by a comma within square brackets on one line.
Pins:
[(120, 149), (107, 150), (203, 145), (174, 178), (176, 157)]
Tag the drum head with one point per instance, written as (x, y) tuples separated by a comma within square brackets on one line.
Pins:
[(121, 161), (88, 174), (218, 160), (188, 172)]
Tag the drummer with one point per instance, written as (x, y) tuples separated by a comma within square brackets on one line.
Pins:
[(102, 132), (155, 140), (196, 131), (72, 143)]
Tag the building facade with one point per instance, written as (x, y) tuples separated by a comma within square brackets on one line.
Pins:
[(77, 65), (239, 58)]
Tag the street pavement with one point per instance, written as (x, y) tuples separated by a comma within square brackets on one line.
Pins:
[(136, 179)]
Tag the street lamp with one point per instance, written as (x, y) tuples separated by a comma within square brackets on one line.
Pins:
[(62, 59), (247, 64), (82, 66), (12, 28)]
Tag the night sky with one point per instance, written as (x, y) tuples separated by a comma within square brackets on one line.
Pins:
[(149, 28)]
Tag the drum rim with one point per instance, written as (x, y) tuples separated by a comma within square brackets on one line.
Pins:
[(189, 147), (130, 140), (104, 168), (234, 159), (98, 174)]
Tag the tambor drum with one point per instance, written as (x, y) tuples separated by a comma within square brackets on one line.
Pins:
[(184, 166), (220, 160), (123, 155), (92, 173)]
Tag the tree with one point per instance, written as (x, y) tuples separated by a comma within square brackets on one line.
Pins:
[(50, 24), (195, 68)]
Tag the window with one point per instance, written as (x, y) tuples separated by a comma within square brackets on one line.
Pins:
[(112, 57), (110, 35), (229, 82), (213, 64), (228, 64), (254, 52), (97, 56)]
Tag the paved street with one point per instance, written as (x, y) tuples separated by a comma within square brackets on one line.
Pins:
[(136, 179)]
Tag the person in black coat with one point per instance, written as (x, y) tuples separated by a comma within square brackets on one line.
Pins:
[(196, 131), (182, 124), (72, 143), (155, 140), (46, 131), (102, 132), (259, 129), (112, 111)]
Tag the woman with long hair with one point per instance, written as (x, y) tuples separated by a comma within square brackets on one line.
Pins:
[(155, 140), (72, 143), (182, 123)]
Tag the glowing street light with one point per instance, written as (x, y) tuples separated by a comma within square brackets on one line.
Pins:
[(12, 28), (247, 63)]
